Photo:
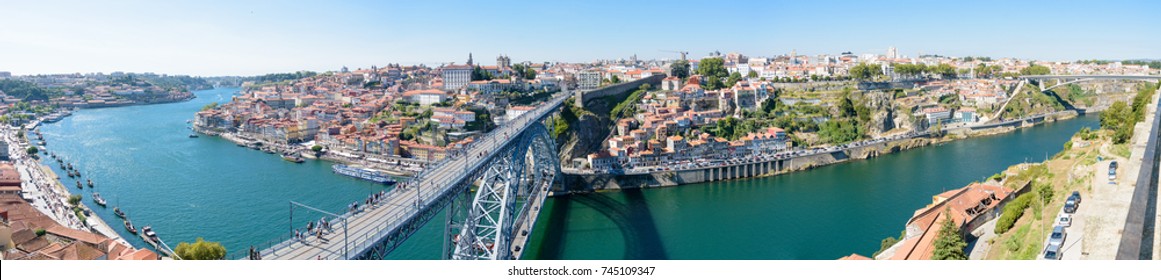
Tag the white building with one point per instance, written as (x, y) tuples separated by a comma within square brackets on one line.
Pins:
[(515, 111), (425, 97), (588, 80), (456, 76)]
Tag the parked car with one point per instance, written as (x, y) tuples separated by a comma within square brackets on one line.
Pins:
[(1075, 196), (1052, 252), (1070, 207), (1065, 220), (1112, 174), (1113, 164), (1057, 237)]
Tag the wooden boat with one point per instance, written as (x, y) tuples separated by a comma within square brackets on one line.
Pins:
[(90, 183), (129, 227), (293, 159), (79, 186), (117, 211), (98, 199)]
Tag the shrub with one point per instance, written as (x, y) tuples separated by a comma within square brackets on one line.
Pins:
[(1045, 191), (41, 232), (1012, 244), (1012, 212)]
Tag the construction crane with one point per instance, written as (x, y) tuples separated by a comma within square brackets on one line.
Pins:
[(683, 53)]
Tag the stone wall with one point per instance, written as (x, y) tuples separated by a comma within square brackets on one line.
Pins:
[(593, 182), (585, 96)]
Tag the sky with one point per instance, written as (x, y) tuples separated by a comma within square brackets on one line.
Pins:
[(249, 37)]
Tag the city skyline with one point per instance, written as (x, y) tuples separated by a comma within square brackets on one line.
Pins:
[(253, 38)]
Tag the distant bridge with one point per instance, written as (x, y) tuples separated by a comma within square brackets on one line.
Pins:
[(1070, 79)]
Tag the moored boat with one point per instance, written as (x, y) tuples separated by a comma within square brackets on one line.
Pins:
[(117, 211), (149, 236), (98, 199), (363, 173), (90, 183), (193, 135), (129, 227), (293, 159), (79, 186)]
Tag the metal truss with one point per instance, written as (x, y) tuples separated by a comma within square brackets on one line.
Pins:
[(507, 188)]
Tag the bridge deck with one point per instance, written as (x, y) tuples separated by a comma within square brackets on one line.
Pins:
[(371, 224)]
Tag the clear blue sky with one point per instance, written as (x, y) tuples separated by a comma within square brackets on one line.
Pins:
[(257, 37)]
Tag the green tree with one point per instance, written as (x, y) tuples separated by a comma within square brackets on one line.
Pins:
[(316, 148), (210, 106), (200, 250), (733, 79), (1035, 70), (680, 69), (518, 69), (949, 244), (713, 70), (74, 200), (841, 130), (725, 127), (26, 91), (847, 107), (863, 71), (615, 80), (944, 70), (32, 150), (1117, 119), (529, 73), (752, 74)]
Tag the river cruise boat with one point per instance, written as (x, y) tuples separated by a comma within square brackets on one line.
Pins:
[(363, 173), (293, 159), (149, 236)]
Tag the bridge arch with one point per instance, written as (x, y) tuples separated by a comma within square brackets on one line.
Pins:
[(509, 191)]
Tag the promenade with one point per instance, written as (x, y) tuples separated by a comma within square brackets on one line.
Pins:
[(43, 188)]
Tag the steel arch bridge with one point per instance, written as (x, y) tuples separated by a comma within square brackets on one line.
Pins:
[(1072, 79), (511, 187), (492, 190)]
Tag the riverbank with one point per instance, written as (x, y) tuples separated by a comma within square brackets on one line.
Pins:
[(788, 162), (49, 195), (398, 167)]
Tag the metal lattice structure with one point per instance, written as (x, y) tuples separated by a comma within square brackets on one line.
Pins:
[(509, 191)]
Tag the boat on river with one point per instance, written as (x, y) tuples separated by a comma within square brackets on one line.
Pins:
[(90, 183), (129, 227), (363, 173), (291, 158), (149, 236), (117, 211), (98, 199)]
